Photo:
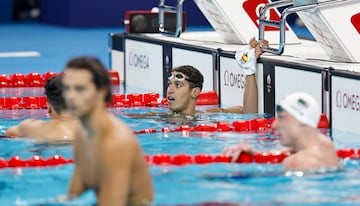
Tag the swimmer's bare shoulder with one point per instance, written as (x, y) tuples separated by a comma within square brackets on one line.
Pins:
[(310, 159), (297, 161), (124, 170), (26, 128), (326, 151)]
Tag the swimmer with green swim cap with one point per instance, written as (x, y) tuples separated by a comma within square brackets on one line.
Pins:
[(296, 124)]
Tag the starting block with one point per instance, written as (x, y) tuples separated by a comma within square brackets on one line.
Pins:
[(335, 24), (235, 21)]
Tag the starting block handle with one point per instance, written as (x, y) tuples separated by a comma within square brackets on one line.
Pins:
[(281, 25), (278, 51), (178, 9)]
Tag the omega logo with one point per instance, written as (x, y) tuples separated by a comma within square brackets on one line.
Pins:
[(348, 101), (139, 60), (234, 79)]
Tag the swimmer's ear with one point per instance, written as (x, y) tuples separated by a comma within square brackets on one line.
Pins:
[(103, 93), (49, 109), (195, 92)]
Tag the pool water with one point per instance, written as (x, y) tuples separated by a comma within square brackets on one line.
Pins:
[(210, 184)]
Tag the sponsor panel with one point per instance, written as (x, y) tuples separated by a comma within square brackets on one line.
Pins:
[(345, 104), (202, 61), (144, 65)]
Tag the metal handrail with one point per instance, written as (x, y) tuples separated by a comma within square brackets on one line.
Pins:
[(178, 9), (282, 24), (263, 22)]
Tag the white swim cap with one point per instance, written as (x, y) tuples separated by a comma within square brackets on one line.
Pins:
[(303, 107)]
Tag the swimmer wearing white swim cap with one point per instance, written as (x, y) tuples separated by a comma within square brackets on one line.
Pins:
[(108, 158), (296, 124)]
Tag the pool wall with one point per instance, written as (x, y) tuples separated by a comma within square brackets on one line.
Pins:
[(333, 84)]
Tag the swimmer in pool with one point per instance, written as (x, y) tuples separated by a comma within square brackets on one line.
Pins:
[(184, 87), (108, 158), (186, 82), (296, 124), (62, 124)]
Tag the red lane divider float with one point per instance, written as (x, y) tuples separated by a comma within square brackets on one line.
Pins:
[(258, 124), (34, 79), (182, 159), (178, 159), (119, 100), (27, 102), (35, 161), (205, 98), (255, 125)]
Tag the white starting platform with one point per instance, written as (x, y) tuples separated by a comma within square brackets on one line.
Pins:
[(146, 60)]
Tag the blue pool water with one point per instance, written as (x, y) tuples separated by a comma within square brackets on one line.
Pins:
[(182, 185)]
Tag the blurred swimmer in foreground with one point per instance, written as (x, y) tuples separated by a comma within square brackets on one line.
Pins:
[(108, 157)]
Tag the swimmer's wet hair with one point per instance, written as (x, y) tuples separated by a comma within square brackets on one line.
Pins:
[(98, 71), (53, 92), (193, 74)]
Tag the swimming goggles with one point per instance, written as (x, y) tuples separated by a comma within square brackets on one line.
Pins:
[(181, 77), (279, 108)]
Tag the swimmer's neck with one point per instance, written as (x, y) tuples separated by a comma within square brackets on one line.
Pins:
[(96, 122), (190, 111), (62, 116)]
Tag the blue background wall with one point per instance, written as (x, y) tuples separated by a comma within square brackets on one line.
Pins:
[(104, 12), (5, 11)]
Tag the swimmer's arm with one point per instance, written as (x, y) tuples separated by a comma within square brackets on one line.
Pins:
[(235, 151), (234, 109), (250, 95), (250, 99), (147, 114), (76, 187), (13, 131), (22, 129), (250, 102), (115, 180)]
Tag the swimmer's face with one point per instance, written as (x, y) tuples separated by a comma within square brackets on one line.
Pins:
[(79, 91), (287, 127), (181, 97)]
